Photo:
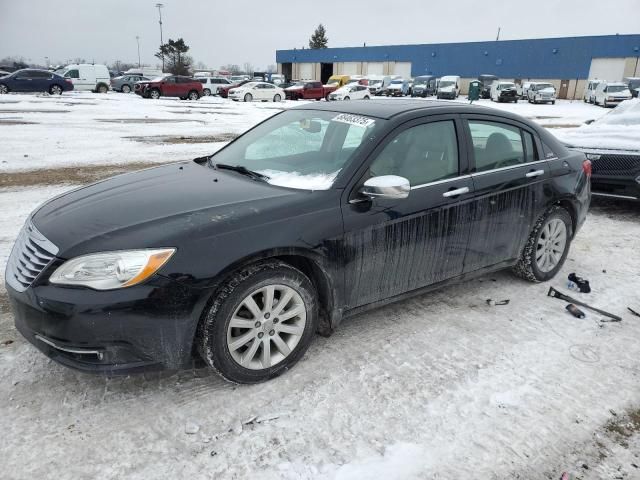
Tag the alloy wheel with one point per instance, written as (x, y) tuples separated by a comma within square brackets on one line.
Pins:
[(155, 94), (56, 90), (551, 245), (266, 327), (126, 89), (3, 89), (193, 96)]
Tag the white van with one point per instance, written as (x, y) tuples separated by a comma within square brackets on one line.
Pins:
[(377, 83), (89, 77), (448, 87), (590, 90), (611, 94)]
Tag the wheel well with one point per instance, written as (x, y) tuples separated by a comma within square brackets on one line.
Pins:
[(568, 206)]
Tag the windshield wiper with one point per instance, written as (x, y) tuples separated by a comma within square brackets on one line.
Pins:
[(242, 170)]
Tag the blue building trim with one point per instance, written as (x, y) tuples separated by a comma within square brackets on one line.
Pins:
[(561, 58)]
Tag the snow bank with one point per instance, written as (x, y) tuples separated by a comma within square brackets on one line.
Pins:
[(619, 129)]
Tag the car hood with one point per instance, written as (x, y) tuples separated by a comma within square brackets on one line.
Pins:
[(153, 207)]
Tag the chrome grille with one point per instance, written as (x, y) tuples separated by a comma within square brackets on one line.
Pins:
[(616, 164), (31, 254)]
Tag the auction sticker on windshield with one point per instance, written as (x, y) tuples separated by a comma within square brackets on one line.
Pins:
[(351, 119)]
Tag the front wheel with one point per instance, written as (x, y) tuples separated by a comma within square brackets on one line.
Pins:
[(346, 98), (125, 89), (102, 89), (277, 97), (155, 94), (55, 90), (547, 247), (206, 92), (193, 95), (260, 324), (3, 89), (248, 97), (366, 97)]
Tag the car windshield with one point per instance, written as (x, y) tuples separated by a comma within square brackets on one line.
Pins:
[(249, 85), (420, 82), (447, 83), (397, 82), (333, 81), (542, 86), (504, 86), (159, 79), (301, 149), (375, 82), (616, 88)]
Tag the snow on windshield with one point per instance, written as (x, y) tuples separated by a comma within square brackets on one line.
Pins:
[(618, 129), (307, 181)]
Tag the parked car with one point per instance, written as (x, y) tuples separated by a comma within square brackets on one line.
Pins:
[(148, 72), (309, 90), (261, 91), (239, 78), (352, 91), (612, 143), (590, 90), (277, 79), (610, 94), (424, 86), (504, 92), (88, 77), (486, 82), (448, 87), (125, 83), (541, 92), (212, 85), (170, 86), (399, 87), (524, 91), (4, 73), (241, 256), (634, 85), (223, 90), (32, 80), (378, 83)]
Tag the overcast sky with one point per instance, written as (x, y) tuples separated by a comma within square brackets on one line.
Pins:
[(228, 31)]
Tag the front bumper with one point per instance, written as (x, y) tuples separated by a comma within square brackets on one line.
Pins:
[(626, 188), (149, 326), (448, 95)]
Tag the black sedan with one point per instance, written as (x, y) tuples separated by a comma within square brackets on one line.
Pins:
[(316, 214), (35, 81)]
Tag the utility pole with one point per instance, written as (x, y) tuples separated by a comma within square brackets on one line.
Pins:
[(498, 36), (159, 7), (138, 40)]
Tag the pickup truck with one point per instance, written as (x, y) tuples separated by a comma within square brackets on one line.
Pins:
[(312, 90)]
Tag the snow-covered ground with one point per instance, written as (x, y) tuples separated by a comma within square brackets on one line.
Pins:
[(441, 386)]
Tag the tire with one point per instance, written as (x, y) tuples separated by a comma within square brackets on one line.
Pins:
[(530, 266), (326, 97), (55, 90), (277, 97), (248, 97), (215, 336), (206, 92), (346, 98), (154, 94), (366, 97), (3, 89), (102, 88), (193, 95), (553, 102), (125, 89)]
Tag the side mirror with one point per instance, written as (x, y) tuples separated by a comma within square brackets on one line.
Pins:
[(386, 186)]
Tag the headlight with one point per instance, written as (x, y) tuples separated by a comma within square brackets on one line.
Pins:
[(110, 270), (610, 99)]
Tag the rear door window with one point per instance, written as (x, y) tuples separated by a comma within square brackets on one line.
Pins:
[(496, 145), (75, 73)]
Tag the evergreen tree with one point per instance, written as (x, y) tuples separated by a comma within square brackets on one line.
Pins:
[(319, 38), (176, 58)]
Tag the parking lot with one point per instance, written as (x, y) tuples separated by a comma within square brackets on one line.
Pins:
[(443, 385)]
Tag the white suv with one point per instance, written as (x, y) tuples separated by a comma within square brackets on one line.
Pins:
[(210, 85), (611, 94)]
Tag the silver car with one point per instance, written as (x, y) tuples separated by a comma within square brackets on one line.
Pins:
[(125, 83)]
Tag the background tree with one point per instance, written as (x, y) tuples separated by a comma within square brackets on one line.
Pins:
[(272, 68), (319, 38), (231, 67), (177, 61), (247, 69)]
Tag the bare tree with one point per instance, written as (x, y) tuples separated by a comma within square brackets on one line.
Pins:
[(247, 68)]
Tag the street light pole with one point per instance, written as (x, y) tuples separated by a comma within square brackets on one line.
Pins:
[(159, 7), (138, 40)]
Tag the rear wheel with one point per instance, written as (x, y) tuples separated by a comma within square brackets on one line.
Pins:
[(366, 97), (155, 94), (347, 98), (277, 97), (206, 92), (547, 246), (125, 89), (193, 95), (102, 88), (55, 90), (248, 97), (260, 324), (3, 89)]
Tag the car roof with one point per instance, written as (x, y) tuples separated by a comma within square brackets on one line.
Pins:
[(387, 109)]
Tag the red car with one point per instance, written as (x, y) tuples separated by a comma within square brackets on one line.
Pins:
[(313, 90), (224, 91), (170, 86)]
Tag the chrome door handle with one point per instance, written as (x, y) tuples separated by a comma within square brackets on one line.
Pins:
[(456, 192), (534, 173)]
